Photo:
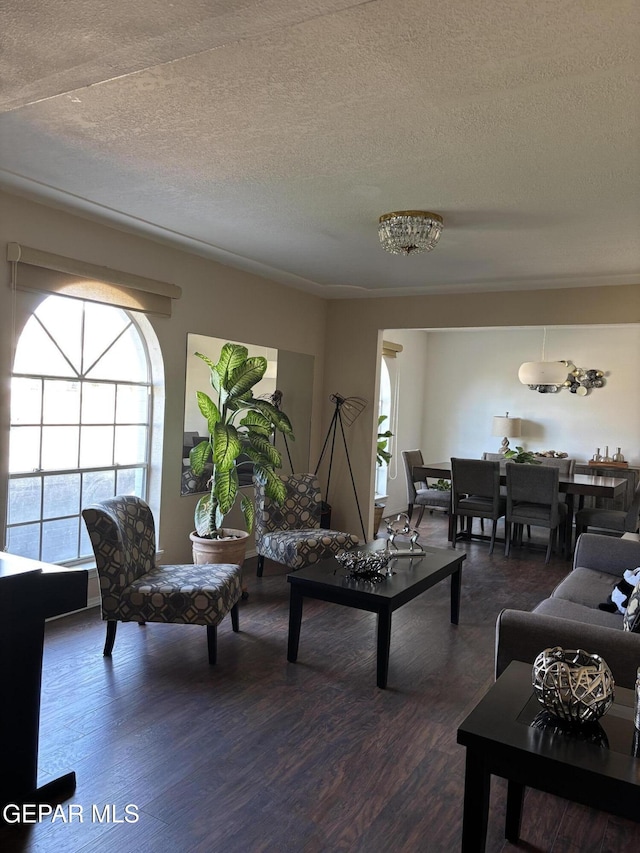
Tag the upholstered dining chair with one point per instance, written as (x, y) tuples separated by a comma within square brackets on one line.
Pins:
[(134, 589), (475, 489), (532, 500), (291, 534), (610, 519), (418, 491)]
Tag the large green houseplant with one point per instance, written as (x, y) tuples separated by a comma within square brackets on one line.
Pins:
[(238, 424)]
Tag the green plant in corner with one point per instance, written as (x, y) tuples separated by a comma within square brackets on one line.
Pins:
[(442, 485), (383, 457), (238, 423), (522, 456)]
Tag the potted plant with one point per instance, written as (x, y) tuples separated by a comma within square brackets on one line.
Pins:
[(522, 456), (239, 424), (383, 457)]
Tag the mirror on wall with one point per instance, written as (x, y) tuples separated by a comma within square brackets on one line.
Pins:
[(289, 373)]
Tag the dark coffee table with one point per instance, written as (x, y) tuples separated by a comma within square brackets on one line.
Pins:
[(597, 768), (327, 581)]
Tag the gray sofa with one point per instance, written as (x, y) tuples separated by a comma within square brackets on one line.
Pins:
[(570, 617)]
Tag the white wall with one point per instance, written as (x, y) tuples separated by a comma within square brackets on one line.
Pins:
[(468, 376)]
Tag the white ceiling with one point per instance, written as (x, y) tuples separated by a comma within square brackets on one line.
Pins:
[(271, 135)]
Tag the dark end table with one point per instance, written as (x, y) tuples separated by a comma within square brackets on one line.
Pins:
[(504, 737), (328, 581)]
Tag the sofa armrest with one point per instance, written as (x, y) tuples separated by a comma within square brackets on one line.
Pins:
[(522, 636), (606, 553)]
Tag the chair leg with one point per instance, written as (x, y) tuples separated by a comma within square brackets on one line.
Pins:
[(111, 638), (410, 511), (507, 538), (212, 643), (552, 536), (260, 568), (420, 516), (235, 621), (528, 531), (493, 536)]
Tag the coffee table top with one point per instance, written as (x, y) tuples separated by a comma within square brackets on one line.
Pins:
[(411, 575), (504, 717)]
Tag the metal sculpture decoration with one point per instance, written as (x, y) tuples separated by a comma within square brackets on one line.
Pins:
[(401, 526), (573, 686), (372, 566)]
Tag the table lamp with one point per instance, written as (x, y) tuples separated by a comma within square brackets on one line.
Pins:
[(506, 427)]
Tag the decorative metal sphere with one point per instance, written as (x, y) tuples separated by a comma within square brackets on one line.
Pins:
[(573, 685)]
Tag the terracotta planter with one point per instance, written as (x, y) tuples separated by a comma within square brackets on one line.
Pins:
[(378, 510), (228, 550)]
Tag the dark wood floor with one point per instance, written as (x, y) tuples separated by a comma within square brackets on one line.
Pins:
[(256, 754)]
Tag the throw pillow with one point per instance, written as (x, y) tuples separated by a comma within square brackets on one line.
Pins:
[(631, 620), (619, 596)]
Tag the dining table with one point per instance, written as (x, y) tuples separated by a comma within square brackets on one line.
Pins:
[(582, 485)]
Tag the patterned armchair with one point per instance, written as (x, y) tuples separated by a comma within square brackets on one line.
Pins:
[(291, 533), (134, 589)]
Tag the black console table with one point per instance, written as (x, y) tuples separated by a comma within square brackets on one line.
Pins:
[(30, 592)]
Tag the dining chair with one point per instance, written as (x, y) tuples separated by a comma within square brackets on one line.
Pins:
[(418, 491), (291, 534), (475, 493), (532, 500), (133, 588), (610, 519)]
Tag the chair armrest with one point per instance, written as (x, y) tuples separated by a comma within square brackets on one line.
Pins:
[(606, 553), (522, 636)]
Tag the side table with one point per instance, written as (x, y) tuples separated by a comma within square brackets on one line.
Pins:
[(596, 767)]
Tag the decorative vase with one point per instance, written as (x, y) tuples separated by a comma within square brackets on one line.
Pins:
[(231, 549), (573, 686), (618, 457), (378, 510)]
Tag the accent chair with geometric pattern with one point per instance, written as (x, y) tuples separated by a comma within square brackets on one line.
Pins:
[(134, 589), (291, 534)]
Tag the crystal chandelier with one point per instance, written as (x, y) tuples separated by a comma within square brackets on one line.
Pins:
[(406, 232)]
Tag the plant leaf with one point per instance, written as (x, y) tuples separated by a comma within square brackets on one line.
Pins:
[(274, 488), (199, 456), (248, 510), (257, 422), (208, 409), (231, 357), (226, 446), (245, 376), (266, 450), (225, 489), (204, 516), (277, 418)]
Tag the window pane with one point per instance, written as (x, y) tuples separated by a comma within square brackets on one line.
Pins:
[(133, 404), (36, 353), (59, 447), (86, 549), (131, 444), (96, 446), (131, 482), (26, 401), (24, 500), (62, 318), (24, 541), (61, 403), (97, 403), (61, 495), (126, 359), (24, 449), (102, 325), (60, 540), (97, 485)]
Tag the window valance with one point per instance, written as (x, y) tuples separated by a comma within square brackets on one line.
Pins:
[(48, 273)]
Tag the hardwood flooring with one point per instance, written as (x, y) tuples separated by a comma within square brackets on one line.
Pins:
[(257, 754)]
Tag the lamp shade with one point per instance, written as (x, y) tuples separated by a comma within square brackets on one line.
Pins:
[(506, 426), (542, 372)]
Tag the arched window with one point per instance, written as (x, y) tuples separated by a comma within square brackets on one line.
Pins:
[(80, 423)]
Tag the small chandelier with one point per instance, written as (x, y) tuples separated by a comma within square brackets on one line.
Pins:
[(407, 232)]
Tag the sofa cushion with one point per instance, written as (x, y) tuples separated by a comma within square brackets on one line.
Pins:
[(631, 618), (588, 587), (565, 609)]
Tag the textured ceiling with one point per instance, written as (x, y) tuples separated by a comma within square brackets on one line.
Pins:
[(271, 135)]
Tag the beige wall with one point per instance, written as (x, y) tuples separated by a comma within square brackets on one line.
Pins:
[(216, 301), (354, 331), (343, 335)]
